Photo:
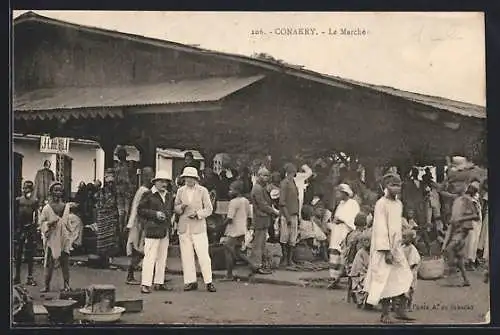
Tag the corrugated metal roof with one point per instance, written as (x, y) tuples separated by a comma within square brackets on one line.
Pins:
[(184, 91), (458, 107), (461, 108)]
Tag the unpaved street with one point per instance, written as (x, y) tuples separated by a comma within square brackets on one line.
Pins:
[(243, 303)]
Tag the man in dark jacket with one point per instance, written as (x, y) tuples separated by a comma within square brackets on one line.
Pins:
[(25, 231), (263, 213), (155, 208)]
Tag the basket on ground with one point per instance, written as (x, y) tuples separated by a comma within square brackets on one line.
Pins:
[(431, 268)]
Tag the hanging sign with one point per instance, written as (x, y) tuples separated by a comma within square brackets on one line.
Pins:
[(56, 145)]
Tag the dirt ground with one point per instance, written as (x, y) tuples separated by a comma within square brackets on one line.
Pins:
[(244, 303)]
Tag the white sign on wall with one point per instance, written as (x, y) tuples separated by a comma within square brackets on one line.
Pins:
[(56, 145)]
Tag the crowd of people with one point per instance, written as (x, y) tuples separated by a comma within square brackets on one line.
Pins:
[(377, 238)]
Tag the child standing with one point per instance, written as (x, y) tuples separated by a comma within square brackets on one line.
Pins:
[(237, 222), (413, 258), (352, 241), (322, 218), (359, 268), (409, 222)]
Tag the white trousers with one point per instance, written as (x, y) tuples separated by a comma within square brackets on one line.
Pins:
[(155, 260), (191, 243)]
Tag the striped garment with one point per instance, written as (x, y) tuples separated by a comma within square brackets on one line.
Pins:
[(107, 224)]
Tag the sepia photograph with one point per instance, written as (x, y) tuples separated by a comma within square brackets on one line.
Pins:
[(248, 168)]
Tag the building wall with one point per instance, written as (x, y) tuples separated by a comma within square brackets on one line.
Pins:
[(48, 56), (83, 156)]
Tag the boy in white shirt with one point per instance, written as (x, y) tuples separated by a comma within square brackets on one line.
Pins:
[(237, 222)]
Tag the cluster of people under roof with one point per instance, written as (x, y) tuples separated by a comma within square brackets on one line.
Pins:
[(378, 244)]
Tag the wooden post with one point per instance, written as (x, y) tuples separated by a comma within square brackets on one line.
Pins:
[(109, 146), (147, 148)]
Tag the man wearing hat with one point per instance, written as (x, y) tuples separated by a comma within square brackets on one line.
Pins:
[(193, 205), (155, 208), (343, 223), (389, 276), (123, 192)]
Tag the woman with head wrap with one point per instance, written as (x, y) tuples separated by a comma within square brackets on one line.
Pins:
[(107, 218), (55, 234), (389, 276), (342, 224)]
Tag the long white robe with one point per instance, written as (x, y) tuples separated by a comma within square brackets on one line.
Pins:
[(387, 280), (346, 211), (135, 235), (300, 182)]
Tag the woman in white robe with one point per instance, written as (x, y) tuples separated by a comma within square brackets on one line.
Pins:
[(341, 225)]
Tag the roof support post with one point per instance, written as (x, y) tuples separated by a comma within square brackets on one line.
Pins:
[(147, 148)]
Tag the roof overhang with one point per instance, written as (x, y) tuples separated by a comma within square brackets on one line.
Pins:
[(92, 102)]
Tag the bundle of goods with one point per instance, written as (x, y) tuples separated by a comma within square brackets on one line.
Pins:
[(60, 311), (100, 304), (272, 255), (22, 306)]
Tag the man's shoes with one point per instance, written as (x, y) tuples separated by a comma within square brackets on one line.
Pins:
[(145, 289), (191, 287), (132, 281), (162, 287), (30, 281), (211, 288), (46, 289)]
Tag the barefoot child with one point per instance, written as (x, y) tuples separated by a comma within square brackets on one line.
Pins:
[(359, 269), (413, 259), (237, 221), (352, 241)]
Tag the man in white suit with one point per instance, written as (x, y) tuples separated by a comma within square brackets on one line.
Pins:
[(193, 205)]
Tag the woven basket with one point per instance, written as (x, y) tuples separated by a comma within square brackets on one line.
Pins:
[(303, 253), (431, 268)]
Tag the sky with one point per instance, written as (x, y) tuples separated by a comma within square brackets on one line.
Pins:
[(439, 54)]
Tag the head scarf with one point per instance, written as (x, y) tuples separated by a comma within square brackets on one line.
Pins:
[(109, 175), (263, 170), (346, 189), (390, 178), (54, 183)]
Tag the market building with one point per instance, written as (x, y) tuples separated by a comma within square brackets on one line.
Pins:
[(122, 89)]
